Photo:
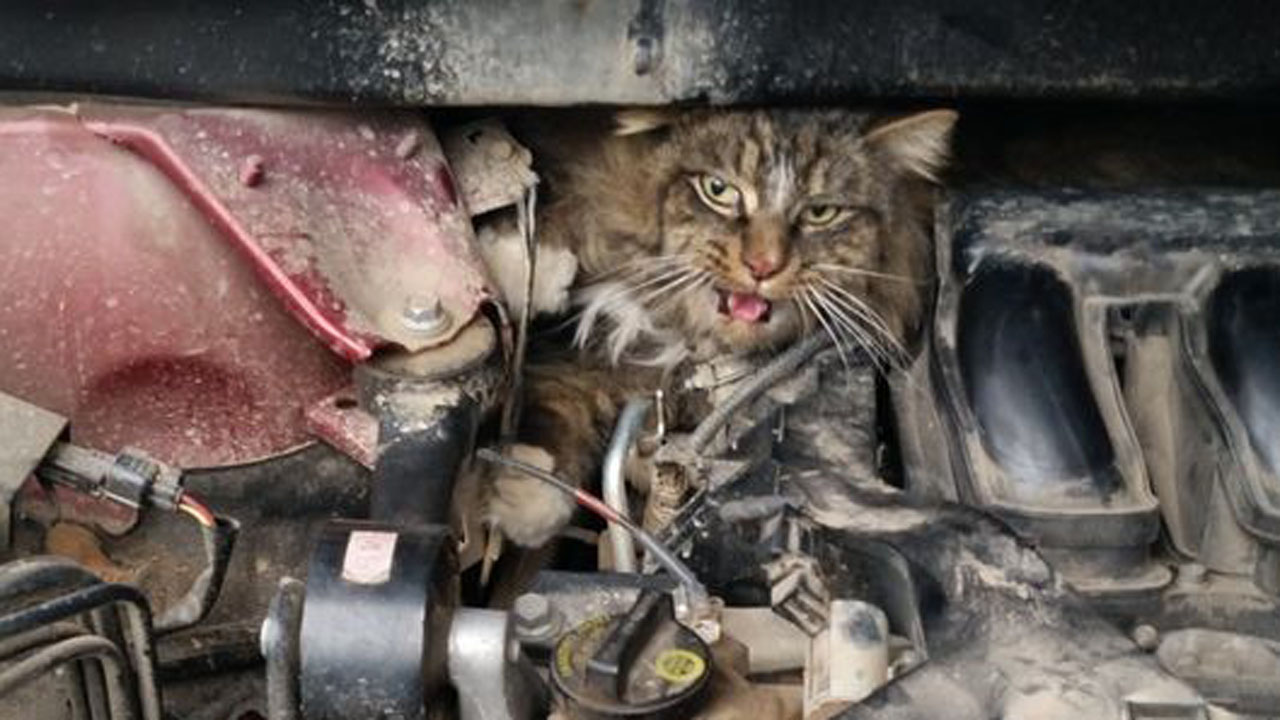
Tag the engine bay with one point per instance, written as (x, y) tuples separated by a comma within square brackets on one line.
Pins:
[(261, 363)]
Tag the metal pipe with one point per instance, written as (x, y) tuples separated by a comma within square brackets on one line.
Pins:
[(279, 641), (768, 376), (492, 682), (42, 635), (614, 483), (421, 450), (139, 629), (48, 658), (42, 573), (667, 559), (80, 705)]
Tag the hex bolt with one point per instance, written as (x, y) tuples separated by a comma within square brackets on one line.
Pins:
[(425, 316), (534, 617)]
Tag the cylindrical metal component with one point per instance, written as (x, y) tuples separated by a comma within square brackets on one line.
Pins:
[(376, 620), (614, 484), (418, 461), (492, 679), (279, 645), (428, 406)]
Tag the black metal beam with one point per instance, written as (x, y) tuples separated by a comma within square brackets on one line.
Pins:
[(555, 52)]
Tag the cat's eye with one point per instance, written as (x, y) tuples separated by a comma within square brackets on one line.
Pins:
[(818, 216), (718, 194)]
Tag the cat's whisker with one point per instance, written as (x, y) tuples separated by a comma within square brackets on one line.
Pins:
[(863, 272), (841, 321), (806, 324), (808, 297), (625, 284), (620, 288), (880, 355), (642, 264), (863, 310), (619, 291), (873, 319), (702, 279), (673, 287), (871, 341), (855, 335)]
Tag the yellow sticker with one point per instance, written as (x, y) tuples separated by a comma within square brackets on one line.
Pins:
[(679, 666)]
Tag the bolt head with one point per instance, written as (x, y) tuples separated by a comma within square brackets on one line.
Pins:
[(531, 610), (534, 617), (1146, 637), (425, 316)]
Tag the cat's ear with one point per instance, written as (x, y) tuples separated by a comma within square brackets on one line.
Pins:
[(919, 144), (641, 120)]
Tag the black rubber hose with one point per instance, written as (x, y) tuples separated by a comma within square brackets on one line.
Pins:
[(70, 605), (279, 641), (196, 603), (29, 575)]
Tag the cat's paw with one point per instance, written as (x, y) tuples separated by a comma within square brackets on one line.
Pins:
[(527, 510)]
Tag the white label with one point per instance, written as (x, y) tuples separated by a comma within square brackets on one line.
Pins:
[(368, 558)]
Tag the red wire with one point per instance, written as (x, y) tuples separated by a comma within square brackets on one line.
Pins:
[(197, 509)]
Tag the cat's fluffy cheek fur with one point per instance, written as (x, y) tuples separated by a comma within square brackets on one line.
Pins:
[(527, 510)]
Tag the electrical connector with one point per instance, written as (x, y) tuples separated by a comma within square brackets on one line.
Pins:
[(130, 477)]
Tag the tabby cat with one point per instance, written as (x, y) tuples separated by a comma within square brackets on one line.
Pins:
[(719, 231)]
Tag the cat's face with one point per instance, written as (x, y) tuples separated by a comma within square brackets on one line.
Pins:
[(773, 224)]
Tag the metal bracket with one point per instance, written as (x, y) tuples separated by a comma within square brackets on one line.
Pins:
[(27, 432)]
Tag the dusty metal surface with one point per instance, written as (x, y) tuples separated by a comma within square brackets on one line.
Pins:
[(28, 433), (144, 246), (124, 310), (337, 213), (413, 52)]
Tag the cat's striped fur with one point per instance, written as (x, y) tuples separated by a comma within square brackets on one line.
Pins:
[(721, 231)]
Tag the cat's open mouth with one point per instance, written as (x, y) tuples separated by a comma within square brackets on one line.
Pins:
[(747, 307)]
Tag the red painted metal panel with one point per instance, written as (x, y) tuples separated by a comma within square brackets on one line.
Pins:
[(134, 247)]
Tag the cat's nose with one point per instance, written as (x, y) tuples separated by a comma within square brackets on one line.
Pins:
[(761, 266)]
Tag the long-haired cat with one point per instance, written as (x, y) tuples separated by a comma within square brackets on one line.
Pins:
[(719, 231)]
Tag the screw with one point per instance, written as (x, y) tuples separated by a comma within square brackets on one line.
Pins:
[(533, 616), (425, 316)]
